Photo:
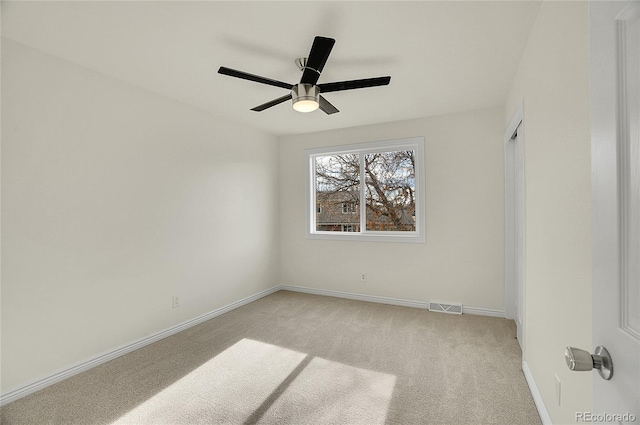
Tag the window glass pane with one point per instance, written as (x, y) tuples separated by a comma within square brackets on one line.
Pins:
[(390, 191), (337, 193), (367, 191)]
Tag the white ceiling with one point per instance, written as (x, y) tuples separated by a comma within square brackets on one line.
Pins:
[(442, 56)]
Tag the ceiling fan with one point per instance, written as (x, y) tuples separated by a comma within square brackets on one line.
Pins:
[(306, 95)]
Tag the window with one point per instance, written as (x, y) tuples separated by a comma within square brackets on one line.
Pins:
[(347, 207), (384, 177)]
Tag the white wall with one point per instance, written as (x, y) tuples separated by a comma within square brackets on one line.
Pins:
[(553, 80), (113, 200), (462, 259)]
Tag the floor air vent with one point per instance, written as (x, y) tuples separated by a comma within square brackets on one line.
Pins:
[(445, 308)]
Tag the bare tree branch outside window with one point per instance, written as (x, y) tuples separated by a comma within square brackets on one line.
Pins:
[(390, 191), (338, 192), (389, 194)]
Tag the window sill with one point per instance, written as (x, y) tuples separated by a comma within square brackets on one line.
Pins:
[(369, 237)]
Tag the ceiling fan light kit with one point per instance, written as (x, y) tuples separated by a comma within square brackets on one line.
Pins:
[(305, 95)]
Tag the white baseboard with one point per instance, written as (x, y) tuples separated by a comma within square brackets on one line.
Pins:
[(537, 397), (358, 297), (387, 300), (105, 357), (42, 383)]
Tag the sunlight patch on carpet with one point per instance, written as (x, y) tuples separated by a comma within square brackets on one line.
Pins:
[(256, 382), (328, 392), (226, 389)]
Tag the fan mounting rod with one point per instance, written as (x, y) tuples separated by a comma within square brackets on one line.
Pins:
[(301, 63)]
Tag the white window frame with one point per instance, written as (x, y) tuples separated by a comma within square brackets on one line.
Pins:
[(414, 143)]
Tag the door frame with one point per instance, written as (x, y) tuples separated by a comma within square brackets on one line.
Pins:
[(511, 164)]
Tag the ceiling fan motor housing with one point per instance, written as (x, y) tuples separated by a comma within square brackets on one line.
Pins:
[(305, 96)]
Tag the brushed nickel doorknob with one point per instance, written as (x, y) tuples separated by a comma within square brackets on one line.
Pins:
[(581, 360)]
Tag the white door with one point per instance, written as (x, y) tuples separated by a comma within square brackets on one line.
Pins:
[(615, 156)]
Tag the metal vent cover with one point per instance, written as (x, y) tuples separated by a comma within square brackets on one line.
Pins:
[(445, 307)]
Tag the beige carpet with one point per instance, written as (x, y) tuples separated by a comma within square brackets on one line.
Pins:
[(293, 358)]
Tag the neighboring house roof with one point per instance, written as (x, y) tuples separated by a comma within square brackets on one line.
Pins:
[(343, 208), (337, 208)]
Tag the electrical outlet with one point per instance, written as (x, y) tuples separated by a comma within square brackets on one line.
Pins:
[(363, 277), (175, 300), (558, 390)]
